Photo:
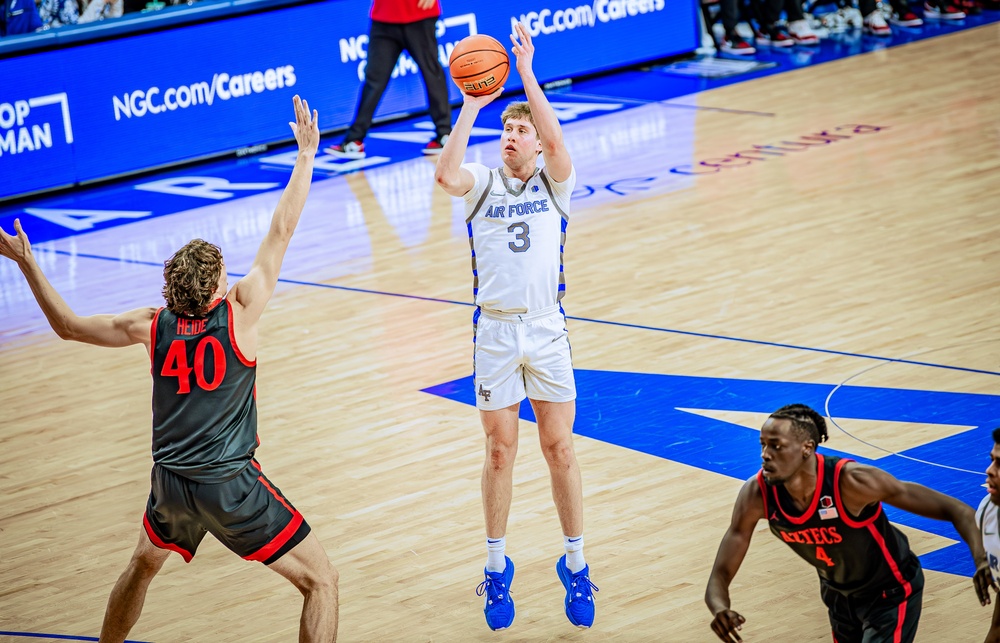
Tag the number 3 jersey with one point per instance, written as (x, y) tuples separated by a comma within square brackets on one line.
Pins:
[(204, 408), (517, 232), (853, 555)]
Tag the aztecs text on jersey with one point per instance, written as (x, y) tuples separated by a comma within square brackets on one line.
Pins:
[(852, 554)]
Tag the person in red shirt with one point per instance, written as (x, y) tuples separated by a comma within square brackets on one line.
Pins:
[(398, 25)]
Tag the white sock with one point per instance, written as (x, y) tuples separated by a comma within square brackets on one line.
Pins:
[(496, 560), (574, 553)]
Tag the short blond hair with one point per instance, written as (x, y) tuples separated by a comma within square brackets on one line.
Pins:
[(517, 109)]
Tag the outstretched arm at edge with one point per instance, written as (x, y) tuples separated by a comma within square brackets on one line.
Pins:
[(125, 329)]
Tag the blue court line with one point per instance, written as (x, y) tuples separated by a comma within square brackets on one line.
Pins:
[(689, 333), (662, 103), (64, 637)]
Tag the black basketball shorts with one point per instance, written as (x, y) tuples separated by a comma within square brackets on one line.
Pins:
[(247, 514), (890, 616)]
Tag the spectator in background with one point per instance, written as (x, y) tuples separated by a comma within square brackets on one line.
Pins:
[(101, 9), (19, 17), (733, 42), (56, 13), (798, 26), (397, 25)]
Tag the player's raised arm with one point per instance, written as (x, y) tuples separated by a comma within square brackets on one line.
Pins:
[(102, 330), (863, 485), (747, 512), (253, 291), (449, 173), (558, 164)]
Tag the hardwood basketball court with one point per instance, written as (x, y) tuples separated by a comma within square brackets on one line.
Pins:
[(811, 265)]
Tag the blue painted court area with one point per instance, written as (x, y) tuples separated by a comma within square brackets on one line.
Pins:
[(652, 413)]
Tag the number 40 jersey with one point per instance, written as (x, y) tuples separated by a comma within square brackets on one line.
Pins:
[(517, 232), (204, 407)]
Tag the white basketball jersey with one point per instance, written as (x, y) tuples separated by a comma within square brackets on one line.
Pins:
[(986, 517), (517, 232)]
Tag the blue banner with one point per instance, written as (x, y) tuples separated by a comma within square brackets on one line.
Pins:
[(142, 101)]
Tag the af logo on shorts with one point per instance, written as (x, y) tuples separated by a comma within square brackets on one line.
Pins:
[(485, 393)]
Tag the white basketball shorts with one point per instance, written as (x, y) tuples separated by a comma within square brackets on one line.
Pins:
[(518, 356)]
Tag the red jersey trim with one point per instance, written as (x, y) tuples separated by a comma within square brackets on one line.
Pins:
[(897, 635), (763, 492), (152, 339), (156, 540), (808, 513), (268, 550), (236, 348), (844, 515)]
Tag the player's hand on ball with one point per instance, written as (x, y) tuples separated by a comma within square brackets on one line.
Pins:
[(484, 100)]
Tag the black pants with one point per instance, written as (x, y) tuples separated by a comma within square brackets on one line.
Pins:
[(764, 12), (878, 618), (867, 6), (385, 42)]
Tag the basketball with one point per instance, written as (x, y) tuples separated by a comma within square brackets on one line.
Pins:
[(479, 65)]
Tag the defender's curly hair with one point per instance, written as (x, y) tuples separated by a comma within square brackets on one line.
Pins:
[(191, 276), (807, 422)]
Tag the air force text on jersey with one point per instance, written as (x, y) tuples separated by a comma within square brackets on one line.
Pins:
[(517, 209)]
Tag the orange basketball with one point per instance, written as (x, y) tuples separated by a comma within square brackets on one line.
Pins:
[(479, 65)]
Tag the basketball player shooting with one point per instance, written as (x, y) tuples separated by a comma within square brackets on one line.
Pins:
[(203, 349), (517, 216)]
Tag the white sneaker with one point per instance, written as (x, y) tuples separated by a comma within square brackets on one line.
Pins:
[(353, 150), (802, 33), (908, 19), (946, 11), (876, 25)]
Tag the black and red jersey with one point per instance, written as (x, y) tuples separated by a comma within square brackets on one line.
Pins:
[(852, 554), (204, 407)]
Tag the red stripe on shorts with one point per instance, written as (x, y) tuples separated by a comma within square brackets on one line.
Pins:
[(267, 550), (162, 545)]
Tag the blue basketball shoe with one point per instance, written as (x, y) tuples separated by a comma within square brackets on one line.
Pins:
[(499, 606), (579, 594)]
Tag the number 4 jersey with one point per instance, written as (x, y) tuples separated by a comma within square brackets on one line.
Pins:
[(852, 554), (204, 411), (517, 232)]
